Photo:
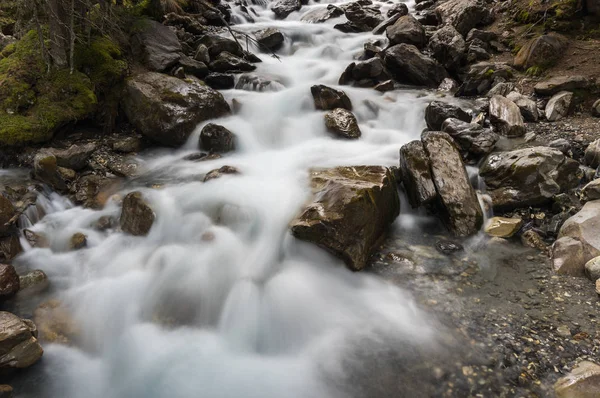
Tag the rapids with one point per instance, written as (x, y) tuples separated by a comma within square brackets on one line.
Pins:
[(219, 300)]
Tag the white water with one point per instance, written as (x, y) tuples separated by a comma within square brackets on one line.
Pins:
[(251, 312)]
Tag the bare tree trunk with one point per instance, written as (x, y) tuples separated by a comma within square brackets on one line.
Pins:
[(59, 33), (72, 38), (38, 27)]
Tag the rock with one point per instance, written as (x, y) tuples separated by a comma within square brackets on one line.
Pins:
[(541, 51), (481, 76), (527, 177), (578, 241), (10, 247), (6, 391), (220, 81), (77, 241), (559, 106), (416, 174), (36, 278), (18, 346), (365, 17), (217, 173), (596, 108), (202, 54), (406, 30), (137, 216), (557, 84), (437, 112), (349, 27), (448, 247), (35, 239), (93, 190), (193, 67), (502, 89), (464, 15), (592, 154), (55, 323), (166, 109), (532, 239), (484, 36), (448, 85), (400, 9), (9, 282), (156, 46), (472, 138), (369, 69), (448, 48), (506, 117), (528, 107), (458, 200), (561, 144), (592, 269), (582, 382), (216, 138), (476, 53), (407, 65), (45, 169), (270, 38), (253, 82), (283, 8), (592, 190), (351, 212), (387, 85), (75, 156), (342, 123), (320, 15), (327, 98), (503, 227), (7, 213), (127, 144), (227, 62), (217, 44)]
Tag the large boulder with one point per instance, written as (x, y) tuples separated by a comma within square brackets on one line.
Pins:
[(458, 201), (19, 347), (283, 8), (506, 117), (156, 46), (9, 281), (45, 169), (464, 15), (527, 106), (481, 76), (137, 216), (407, 30), (557, 84), (407, 65), (541, 51), (351, 212), (448, 48), (528, 177), (362, 16), (270, 38), (583, 381), (437, 112), (216, 139), (327, 98), (472, 138), (592, 154), (559, 106), (578, 241), (167, 109), (415, 170), (342, 123)]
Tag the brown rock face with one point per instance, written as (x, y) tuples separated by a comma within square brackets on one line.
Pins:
[(327, 98), (416, 174), (137, 216), (9, 281), (19, 347), (342, 123), (352, 209)]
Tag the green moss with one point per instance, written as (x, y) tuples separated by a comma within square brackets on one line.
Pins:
[(489, 73), (534, 71), (102, 62), (173, 97), (565, 9), (8, 50)]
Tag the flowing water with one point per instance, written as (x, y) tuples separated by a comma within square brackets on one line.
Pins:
[(219, 300)]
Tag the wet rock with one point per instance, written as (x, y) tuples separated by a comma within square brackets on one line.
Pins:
[(448, 48), (342, 123), (127, 144), (437, 112), (156, 45), (7, 212), (35, 239), (472, 138), (75, 156), (559, 106), (592, 269), (406, 30), (400, 9), (55, 323), (481, 76), (33, 279), (582, 382), (137, 216), (216, 138), (528, 177), (503, 227), (45, 169), (283, 8), (541, 51), (596, 108), (10, 247), (407, 65), (227, 62), (351, 212), (506, 117), (19, 347), (592, 154), (321, 15), (578, 241), (220, 81), (217, 44), (387, 85), (458, 201), (253, 82), (349, 27), (464, 15), (363, 16), (327, 98), (193, 67), (528, 107), (217, 173), (93, 190), (77, 241), (9, 282), (202, 54), (532, 239), (369, 69), (592, 190), (416, 174), (166, 109), (270, 38), (554, 85), (448, 85), (448, 247)]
